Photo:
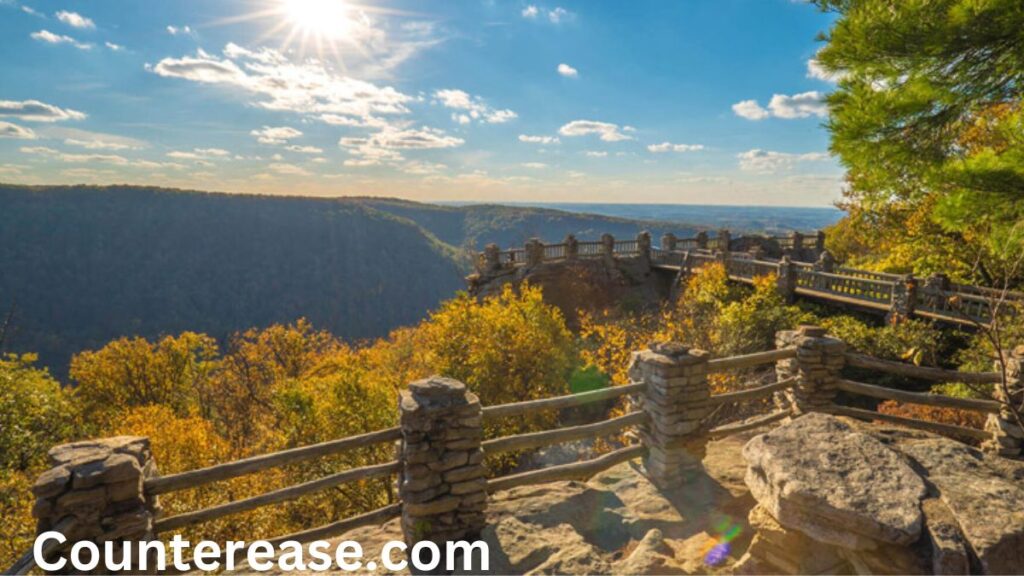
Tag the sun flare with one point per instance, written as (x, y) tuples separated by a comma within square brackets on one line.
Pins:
[(320, 18)]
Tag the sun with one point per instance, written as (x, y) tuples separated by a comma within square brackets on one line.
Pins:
[(323, 19)]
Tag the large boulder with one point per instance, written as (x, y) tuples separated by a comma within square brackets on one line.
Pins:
[(837, 486)]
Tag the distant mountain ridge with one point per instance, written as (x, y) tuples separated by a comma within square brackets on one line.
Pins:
[(82, 265)]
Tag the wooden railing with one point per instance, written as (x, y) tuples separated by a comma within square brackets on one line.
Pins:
[(642, 412)]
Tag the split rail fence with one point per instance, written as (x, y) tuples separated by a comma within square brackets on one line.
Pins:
[(440, 469)]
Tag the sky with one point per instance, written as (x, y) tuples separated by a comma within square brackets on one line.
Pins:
[(687, 102)]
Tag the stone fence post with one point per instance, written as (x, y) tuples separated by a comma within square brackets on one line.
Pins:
[(608, 249), (95, 489), (643, 246), (724, 240), (904, 299), (825, 262), (669, 242), (442, 483), (785, 282), (1007, 437), (677, 400), (798, 244), (702, 240), (819, 242), (816, 367), (572, 247), (534, 252), (492, 258)]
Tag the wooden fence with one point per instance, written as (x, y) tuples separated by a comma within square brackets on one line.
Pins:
[(669, 406)]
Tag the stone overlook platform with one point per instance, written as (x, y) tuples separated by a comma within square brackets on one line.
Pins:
[(801, 266)]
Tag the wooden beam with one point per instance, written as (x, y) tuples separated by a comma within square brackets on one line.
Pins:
[(987, 406), (749, 360), (574, 471), (752, 393), (944, 429), (549, 437), (193, 478), (276, 496), (736, 428), (923, 372), (518, 408)]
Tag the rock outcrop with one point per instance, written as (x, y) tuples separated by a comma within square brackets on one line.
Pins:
[(835, 496)]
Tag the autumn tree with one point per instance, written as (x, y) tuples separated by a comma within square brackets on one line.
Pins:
[(927, 119)]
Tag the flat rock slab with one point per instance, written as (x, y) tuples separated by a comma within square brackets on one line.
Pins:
[(984, 495), (818, 475)]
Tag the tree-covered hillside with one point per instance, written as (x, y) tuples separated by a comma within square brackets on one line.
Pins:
[(80, 266)]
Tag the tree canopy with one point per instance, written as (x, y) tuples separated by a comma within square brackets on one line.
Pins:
[(927, 119)]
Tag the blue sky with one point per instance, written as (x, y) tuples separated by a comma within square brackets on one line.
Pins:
[(691, 101)]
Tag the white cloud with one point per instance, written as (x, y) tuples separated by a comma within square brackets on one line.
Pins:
[(750, 110), (801, 105), (288, 169), (670, 147), (113, 159), (36, 111), (309, 88), (595, 153), (385, 145), (275, 135), (114, 47), (94, 140), (538, 139), (32, 11), (608, 132), (304, 149), (41, 150), (473, 106), (176, 30), (530, 12), (51, 38), (421, 168), (769, 162), (8, 130), (559, 14), (200, 154), (568, 71), (75, 20), (817, 71), (534, 165)]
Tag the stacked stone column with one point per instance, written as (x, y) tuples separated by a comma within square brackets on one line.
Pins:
[(702, 240), (534, 252), (572, 247), (442, 485), (643, 246), (785, 282), (677, 399), (1007, 437), (608, 250), (492, 259), (724, 242), (904, 299), (819, 359), (825, 262), (94, 491), (669, 242)]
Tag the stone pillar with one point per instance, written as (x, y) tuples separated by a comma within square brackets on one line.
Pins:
[(933, 291), (668, 242), (904, 299), (825, 262), (492, 258), (724, 240), (442, 485), (819, 358), (94, 491), (702, 240), (643, 246), (534, 252), (572, 248), (798, 243), (756, 252), (819, 242), (608, 249), (785, 282), (1007, 436), (677, 400)]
